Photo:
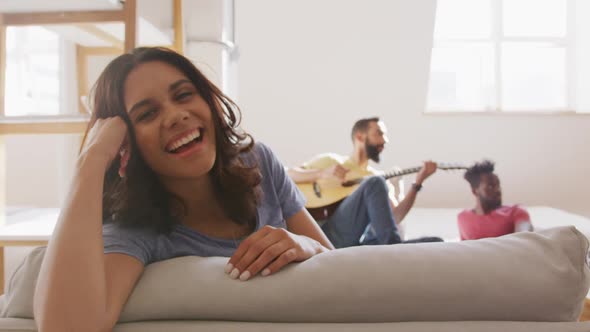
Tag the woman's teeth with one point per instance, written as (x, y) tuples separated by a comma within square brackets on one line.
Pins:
[(185, 140)]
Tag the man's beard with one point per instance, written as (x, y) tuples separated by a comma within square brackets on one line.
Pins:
[(490, 204), (373, 151)]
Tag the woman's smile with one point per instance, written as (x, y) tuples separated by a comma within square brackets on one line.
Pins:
[(188, 143)]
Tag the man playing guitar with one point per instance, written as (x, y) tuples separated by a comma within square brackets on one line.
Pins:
[(372, 213)]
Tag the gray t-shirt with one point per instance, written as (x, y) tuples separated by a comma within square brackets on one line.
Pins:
[(280, 200)]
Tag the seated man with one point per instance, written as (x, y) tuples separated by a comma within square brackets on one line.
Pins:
[(489, 218), (371, 214)]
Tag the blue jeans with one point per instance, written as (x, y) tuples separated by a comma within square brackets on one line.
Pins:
[(366, 218)]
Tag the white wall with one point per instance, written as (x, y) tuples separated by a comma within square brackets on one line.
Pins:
[(206, 24), (159, 13), (308, 69), (581, 55)]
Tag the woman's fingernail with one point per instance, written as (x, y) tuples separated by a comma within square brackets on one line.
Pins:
[(228, 268), (265, 272), (245, 276), (234, 273)]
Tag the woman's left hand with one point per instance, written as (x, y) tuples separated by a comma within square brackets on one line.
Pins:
[(268, 250)]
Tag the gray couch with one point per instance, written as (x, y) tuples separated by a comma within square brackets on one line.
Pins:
[(519, 282)]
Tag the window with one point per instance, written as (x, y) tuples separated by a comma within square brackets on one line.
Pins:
[(32, 72), (503, 55)]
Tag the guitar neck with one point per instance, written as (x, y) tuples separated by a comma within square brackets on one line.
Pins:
[(402, 172), (387, 176), (392, 174)]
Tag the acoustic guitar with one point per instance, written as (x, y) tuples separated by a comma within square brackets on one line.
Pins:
[(324, 196)]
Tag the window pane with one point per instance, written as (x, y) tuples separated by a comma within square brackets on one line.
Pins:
[(461, 77), (32, 72), (39, 169), (533, 77), (535, 18), (463, 19)]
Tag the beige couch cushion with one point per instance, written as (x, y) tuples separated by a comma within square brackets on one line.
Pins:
[(520, 277)]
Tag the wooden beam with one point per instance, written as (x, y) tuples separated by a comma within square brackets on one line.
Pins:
[(23, 243), (43, 128), (2, 271), (100, 51), (2, 181), (100, 34), (2, 144), (585, 316), (81, 77), (178, 27), (2, 64), (42, 18), (130, 19)]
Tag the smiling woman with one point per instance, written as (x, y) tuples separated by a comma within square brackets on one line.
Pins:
[(167, 170)]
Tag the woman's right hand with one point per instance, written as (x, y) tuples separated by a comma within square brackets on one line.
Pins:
[(105, 140)]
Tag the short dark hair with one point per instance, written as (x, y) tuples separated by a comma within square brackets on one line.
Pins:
[(362, 126), (473, 173)]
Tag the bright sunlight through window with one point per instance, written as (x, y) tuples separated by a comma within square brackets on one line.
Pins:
[(32, 72), (502, 55)]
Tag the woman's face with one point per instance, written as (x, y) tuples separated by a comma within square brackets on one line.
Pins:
[(173, 125)]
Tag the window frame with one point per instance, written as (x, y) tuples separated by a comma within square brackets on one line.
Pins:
[(496, 39), (17, 58), (62, 123)]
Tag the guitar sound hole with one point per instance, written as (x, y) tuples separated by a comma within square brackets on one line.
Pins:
[(316, 190)]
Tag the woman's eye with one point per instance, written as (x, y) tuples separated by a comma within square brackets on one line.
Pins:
[(184, 95), (147, 114)]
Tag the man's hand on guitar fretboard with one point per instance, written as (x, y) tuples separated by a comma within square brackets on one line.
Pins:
[(428, 168)]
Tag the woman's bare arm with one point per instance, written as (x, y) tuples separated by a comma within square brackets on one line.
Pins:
[(79, 287), (302, 223)]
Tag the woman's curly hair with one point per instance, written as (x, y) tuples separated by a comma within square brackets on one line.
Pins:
[(140, 199)]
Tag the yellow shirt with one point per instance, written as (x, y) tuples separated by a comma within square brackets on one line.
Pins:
[(327, 160)]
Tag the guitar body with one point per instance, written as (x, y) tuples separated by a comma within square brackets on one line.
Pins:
[(329, 193)]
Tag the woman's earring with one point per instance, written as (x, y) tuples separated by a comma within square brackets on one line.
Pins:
[(123, 163)]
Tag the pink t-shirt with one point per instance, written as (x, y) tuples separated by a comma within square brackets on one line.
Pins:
[(499, 222)]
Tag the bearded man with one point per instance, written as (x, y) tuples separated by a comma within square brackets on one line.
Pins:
[(372, 213)]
